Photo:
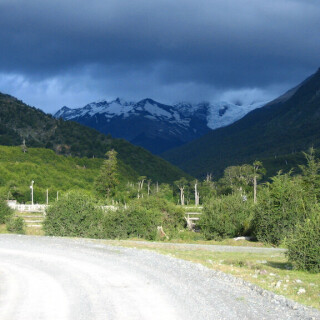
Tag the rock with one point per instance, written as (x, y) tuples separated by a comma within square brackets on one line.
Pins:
[(261, 261), (242, 238), (263, 272), (301, 291)]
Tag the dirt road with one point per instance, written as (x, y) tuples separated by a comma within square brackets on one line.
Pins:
[(54, 278)]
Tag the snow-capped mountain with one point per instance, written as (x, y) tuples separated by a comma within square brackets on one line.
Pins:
[(153, 125)]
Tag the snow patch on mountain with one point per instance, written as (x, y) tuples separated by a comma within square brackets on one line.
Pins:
[(154, 110), (222, 114), (215, 115)]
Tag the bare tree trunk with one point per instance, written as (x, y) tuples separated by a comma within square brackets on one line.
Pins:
[(182, 195), (149, 182), (157, 186), (196, 194), (255, 189)]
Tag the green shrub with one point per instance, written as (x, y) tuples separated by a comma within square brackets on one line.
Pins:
[(74, 215), (141, 219), (304, 244), (225, 217), (281, 206), (16, 225), (5, 212)]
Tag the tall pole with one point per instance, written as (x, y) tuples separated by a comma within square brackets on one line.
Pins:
[(31, 187)]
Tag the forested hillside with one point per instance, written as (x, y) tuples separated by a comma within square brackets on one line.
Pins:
[(285, 126), (20, 123)]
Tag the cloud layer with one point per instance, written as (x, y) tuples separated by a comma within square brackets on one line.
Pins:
[(168, 50)]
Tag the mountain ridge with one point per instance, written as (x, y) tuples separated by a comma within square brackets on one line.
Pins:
[(154, 125), (286, 125), (20, 122)]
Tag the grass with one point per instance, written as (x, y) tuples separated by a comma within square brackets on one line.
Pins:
[(32, 231), (225, 242), (270, 271), (3, 228)]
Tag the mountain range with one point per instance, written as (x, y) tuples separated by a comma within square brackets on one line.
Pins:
[(153, 125), (287, 125), (21, 124)]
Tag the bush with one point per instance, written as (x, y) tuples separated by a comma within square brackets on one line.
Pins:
[(142, 217), (5, 212), (304, 244), (282, 205), (225, 217), (74, 215), (16, 225)]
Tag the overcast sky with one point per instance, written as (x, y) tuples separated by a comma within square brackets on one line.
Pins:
[(72, 52)]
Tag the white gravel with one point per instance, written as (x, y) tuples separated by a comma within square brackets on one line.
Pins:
[(56, 278)]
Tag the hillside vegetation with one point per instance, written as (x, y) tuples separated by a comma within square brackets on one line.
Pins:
[(20, 122), (49, 171), (287, 125)]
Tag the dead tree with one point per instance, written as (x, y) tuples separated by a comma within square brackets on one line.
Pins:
[(149, 183), (23, 146), (181, 184), (142, 179), (196, 193)]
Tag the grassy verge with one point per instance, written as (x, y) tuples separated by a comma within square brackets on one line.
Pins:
[(32, 231), (270, 271), (225, 242), (3, 228)]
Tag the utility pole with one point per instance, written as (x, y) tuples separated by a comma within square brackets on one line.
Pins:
[(31, 187)]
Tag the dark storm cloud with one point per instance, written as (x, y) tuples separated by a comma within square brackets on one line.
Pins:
[(135, 45)]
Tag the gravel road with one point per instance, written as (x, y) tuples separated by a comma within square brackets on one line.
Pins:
[(56, 278)]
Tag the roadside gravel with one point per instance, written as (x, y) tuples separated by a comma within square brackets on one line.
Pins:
[(59, 278)]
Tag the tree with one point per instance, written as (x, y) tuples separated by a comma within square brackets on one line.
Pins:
[(196, 193), (108, 177), (181, 184), (239, 178), (207, 189), (310, 173), (282, 205), (149, 184), (24, 147), (141, 181), (258, 172)]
